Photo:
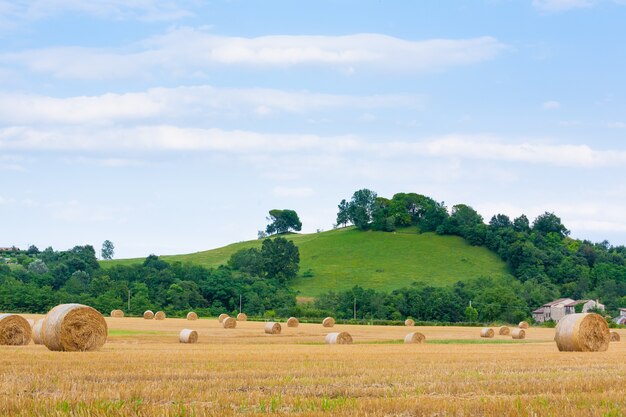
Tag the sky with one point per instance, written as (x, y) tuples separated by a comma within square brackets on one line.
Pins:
[(175, 126)]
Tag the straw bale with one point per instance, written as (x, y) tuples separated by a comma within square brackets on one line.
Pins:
[(272, 328), (487, 332), (37, 335), (523, 325), (409, 322), (222, 317), (328, 322), (582, 332), (229, 323), (192, 316), (242, 317), (148, 315), (159, 315), (414, 337), (74, 327), (518, 334), (117, 313), (615, 337), (339, 338), (188, 336), (31, 322), (293, 322), (14, 330), (504, 331)]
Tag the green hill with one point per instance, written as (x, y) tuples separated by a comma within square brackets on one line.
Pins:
[(340, 259)]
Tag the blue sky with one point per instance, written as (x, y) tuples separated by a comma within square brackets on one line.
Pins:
[(173, 127)]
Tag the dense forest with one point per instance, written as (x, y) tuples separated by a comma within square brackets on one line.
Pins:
[(545, 261)]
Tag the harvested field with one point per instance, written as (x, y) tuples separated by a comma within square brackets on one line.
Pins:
[(144, 370)]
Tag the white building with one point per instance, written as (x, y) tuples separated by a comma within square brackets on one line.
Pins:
[(558, 309)]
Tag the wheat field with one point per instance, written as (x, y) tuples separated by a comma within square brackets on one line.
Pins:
[(144, 371)]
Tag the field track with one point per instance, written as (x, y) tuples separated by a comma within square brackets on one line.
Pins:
[(144, 370)]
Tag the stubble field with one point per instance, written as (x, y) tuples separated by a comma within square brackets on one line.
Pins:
[(143, 370)]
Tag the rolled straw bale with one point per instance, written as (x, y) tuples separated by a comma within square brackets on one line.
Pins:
[(272, 328), (188, 336), (504, 331), (222, 317), (582, 332), (159, 315), (31, 322), (615, 337), (293, 322), (523, 325), (328, 322), (192, 316), (37, 335), (339, 338), (14, 330), (229, 323), (487, 332), (415, 337), (409, 322), (74, 327), (117, 313), (518, 334), (148, 315), (242, 317)]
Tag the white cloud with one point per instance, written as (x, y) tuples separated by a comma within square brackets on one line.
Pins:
[(561, 5), (551, 105), (187, 51), (616, 125), (183, 102), (292, 192)]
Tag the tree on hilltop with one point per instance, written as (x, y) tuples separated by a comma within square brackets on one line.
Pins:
[(282, 221)]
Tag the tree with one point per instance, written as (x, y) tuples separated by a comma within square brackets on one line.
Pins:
[(281, 258), (342, 215), (38, 267), (282, 221), (361, 208), (549, 223), (471, 314), (108, 250)]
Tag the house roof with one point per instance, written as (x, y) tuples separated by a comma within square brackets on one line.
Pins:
[(555, 302), (575, 303), (539, 310)]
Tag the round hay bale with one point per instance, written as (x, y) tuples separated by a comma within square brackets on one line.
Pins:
[(229, 323), (192, 316), (615, 337), (31, 322), (74, 327), (37, 335), (272, 328), (148, 315), (117, 313), (188, 336), (222, 317), (487, 332), (14, 330), (504, 331), (242, 317), (582, 332), (518, 334), (409, 322), (159, 315), (293, 322), (415, 337), (338, 338), (523, 325), (328, 322)]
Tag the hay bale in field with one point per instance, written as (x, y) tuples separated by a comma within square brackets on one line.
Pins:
[(582, 332), (415, 337), (518, 334), (615, 337), (148, 315), (504, 331), (293, 322), (222, 317), (272, 328), (159, 315), (117, 313), (328, 322), (338, 338), (409, 322), (37, 334), (188, 336), (14, 330), (192, 316), (74, 327), (31, 322), (229, 323), (523, 325), (487, 332), (242, 317)]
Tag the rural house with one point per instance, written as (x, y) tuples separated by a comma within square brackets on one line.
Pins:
[(621, 319), (557, 309)]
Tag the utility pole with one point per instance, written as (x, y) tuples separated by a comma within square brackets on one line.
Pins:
[(129, 300), (355, 307), (240, 303)]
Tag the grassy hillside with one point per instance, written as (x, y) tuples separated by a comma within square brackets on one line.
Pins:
[(340, 259)]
